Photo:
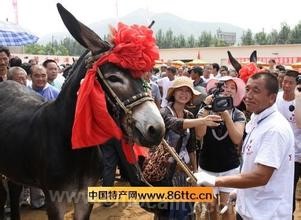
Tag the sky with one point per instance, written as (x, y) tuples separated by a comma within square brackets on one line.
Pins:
[(41, 16)]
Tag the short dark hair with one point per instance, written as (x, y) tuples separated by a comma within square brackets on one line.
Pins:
[(291, 73), (45, 63), (224, 67), (15, 61), (26, 67), (197, 69), (271, 82), (5, 50), (172, 69), (156, 70), (280, 67), (215, 66)]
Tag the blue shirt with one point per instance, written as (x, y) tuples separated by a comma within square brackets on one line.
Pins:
[(49, 92)]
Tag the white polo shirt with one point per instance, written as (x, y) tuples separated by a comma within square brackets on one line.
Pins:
[(270, 142), (284, 108), (165, 83)]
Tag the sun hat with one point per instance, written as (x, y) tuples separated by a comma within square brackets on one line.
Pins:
[(239, 84), (181, 81)]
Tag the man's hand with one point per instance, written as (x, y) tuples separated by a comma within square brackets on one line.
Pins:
[(232, 196), (204, 179)]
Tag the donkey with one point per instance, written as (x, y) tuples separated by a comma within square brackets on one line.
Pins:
[(244, 72), (237, 65), (35, 138)]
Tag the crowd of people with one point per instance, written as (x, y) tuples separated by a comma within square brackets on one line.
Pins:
[(248, 148), (249, 153)]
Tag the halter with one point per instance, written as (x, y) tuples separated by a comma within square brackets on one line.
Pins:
[(127, 105)]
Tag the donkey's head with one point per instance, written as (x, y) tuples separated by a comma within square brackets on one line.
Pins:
[(247, 70), (127, 95)]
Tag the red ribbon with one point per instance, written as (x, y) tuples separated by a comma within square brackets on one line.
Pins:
[(134, 49)]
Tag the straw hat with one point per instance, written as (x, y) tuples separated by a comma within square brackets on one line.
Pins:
[(181, 82), (239, 84)]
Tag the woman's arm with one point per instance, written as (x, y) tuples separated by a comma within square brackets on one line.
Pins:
[(201, 130), (235, 129), (210, 120), (192, 157)]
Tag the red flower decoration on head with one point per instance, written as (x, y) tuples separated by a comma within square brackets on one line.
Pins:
[(247, 70), (134, 48)]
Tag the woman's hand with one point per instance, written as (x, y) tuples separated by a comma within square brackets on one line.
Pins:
[(208, 100), (212, 120), (225, 114)]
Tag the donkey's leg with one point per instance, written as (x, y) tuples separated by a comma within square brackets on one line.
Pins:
[(14, 194), (3, 197), (82, 209), (56, 204)]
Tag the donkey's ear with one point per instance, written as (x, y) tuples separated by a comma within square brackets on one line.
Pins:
[(234, 62), (84, 35), (253, 57)]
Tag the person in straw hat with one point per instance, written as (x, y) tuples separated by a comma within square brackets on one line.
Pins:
[(265, 183), (219, 154), (180, 125)]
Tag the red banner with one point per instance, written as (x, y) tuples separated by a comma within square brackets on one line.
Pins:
[(279, 60)]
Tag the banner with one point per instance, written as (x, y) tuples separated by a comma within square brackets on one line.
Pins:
[(279, 60)]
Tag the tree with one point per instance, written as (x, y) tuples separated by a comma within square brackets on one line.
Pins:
[(73, 47), (295, 34), (273, 37), (205, 40), (160, 38), (35, 49), (191, 42), (247, 38), (182, 41), (218, 42), (284, 33), (168, 41), (261, 38)]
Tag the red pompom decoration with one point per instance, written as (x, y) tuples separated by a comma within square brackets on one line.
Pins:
[(134, 48), (247, 70)]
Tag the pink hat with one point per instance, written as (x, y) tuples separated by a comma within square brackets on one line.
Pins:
[(239, 84)]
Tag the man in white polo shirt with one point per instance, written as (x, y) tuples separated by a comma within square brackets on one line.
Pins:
[(266, 179), (286, 106)]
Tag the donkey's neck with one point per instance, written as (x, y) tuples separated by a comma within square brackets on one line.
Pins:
[(65, 104)]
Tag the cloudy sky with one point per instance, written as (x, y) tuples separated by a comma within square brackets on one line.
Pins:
[(41, 16)]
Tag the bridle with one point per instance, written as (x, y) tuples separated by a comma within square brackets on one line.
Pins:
[(126, 106), (119, 106)]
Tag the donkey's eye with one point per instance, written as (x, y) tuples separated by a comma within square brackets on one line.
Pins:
[(115, 79)]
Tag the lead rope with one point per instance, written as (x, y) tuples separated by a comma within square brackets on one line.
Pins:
[(129, 119)]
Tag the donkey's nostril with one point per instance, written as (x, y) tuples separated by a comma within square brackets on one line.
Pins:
[(153, 132)]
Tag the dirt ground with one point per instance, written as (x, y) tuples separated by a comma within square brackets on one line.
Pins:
[(119, 211), (123, 211)]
